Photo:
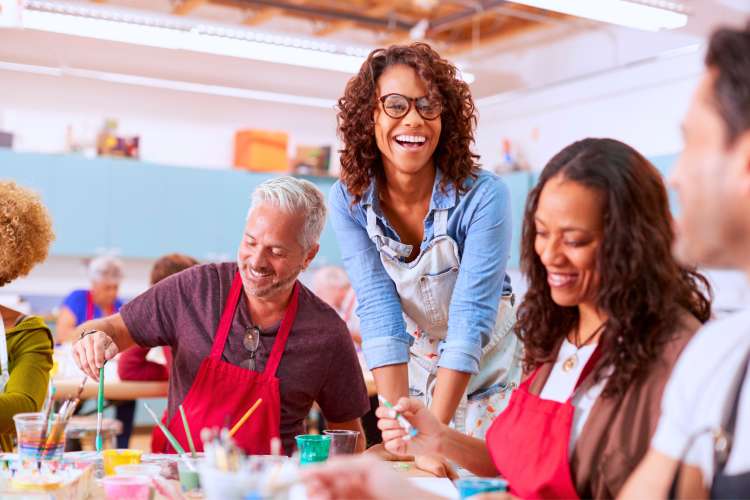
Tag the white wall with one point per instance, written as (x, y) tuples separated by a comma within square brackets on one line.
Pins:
[(641, 105), (176, 128)]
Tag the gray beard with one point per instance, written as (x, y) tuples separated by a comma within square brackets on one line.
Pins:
[(283, 284)]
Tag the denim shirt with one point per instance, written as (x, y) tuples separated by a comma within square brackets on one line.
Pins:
[(479, 220)]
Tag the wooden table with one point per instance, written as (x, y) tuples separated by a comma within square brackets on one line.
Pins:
[(122, 390)]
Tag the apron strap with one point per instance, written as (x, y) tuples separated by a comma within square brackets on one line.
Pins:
[(373, 231), (440, 222), (225, 323), (89, 306), (3, 356), (394, 249), (283, 333), (587, 369)]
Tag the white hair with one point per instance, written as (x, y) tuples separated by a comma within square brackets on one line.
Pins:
[(105, 268), (295, 196), (330, 277)]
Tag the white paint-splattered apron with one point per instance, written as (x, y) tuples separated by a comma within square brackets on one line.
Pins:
[(425, 287), (4, 373)]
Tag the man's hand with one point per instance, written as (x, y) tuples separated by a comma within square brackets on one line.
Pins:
[(92, 351)]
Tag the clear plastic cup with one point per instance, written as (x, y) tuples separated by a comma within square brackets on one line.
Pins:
[(127, 488), (313, 448), (343, 442), (189, 477), (39, 440), (470, 486)]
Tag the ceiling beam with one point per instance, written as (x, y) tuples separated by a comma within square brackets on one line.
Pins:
[(185, 7), (262, 15), (309, 11), (497, 36), (335, 26)]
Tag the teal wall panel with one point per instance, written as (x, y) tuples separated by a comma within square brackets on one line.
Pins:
[(139, 209)]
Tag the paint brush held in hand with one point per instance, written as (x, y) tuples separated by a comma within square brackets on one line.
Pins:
[(99, 410)]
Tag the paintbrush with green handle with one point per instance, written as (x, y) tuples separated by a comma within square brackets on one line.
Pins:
[(100, 410)]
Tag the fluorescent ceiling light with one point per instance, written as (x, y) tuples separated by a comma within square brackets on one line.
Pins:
[(178, 85), (633, 15), (183, 34), (193, 40)]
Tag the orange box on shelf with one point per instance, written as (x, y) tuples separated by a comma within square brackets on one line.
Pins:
[(261, 150)]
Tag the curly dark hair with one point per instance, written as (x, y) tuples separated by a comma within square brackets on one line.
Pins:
[(643, 290), (360, 157)]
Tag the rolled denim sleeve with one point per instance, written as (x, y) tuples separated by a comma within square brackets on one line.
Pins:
[(384, 337), (474, 304)]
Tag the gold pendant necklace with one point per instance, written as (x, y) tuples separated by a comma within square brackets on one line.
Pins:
[(572, 360)]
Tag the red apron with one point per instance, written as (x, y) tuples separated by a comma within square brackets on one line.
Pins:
[(223, 392), (90, 307), (529, 441)]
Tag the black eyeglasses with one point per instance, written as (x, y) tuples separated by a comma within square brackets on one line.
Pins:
[(250, 340), (398, 106)]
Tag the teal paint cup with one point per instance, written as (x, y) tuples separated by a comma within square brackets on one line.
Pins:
[(313, 448), (471, 486)]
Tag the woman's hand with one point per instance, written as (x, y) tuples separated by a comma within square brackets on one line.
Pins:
[(435, 465), (364, 477), (429, 429), (379, 451), (499, 495)]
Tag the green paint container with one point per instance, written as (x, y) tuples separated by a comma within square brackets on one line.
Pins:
[(313, 448)]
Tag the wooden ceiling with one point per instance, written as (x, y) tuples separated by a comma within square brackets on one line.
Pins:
[(455, 26)]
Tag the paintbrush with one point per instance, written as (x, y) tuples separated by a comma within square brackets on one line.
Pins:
[(57, 428), (170, 437), (187, 432), (244, 418), (100, 410), (80, 387)]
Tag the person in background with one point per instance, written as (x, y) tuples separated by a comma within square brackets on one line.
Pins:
[(246, 330), (606, 315), (132, 363), (704, 429), (331, 284), (100, 300), (25, 341), (425, 237)]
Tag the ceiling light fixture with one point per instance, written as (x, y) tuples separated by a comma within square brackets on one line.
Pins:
[(161, 31), (642, 16), (170, 32), (178, 85)]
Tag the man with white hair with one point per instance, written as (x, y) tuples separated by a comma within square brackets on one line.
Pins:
[(105, 274), (246, 334)]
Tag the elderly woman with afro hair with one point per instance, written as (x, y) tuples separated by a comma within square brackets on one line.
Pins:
[(425, 236), (25, 341)]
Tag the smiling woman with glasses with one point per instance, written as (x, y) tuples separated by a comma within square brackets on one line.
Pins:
[(425, 236)]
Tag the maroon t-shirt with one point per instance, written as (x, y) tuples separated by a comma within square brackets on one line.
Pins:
[(319, 363)]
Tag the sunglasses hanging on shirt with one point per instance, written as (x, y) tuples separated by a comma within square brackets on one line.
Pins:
[(250, 340)]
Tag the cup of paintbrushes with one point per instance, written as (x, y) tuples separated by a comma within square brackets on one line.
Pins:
[(40, 438)]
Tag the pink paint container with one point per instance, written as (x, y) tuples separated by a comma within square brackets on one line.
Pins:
[(127, 488)]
